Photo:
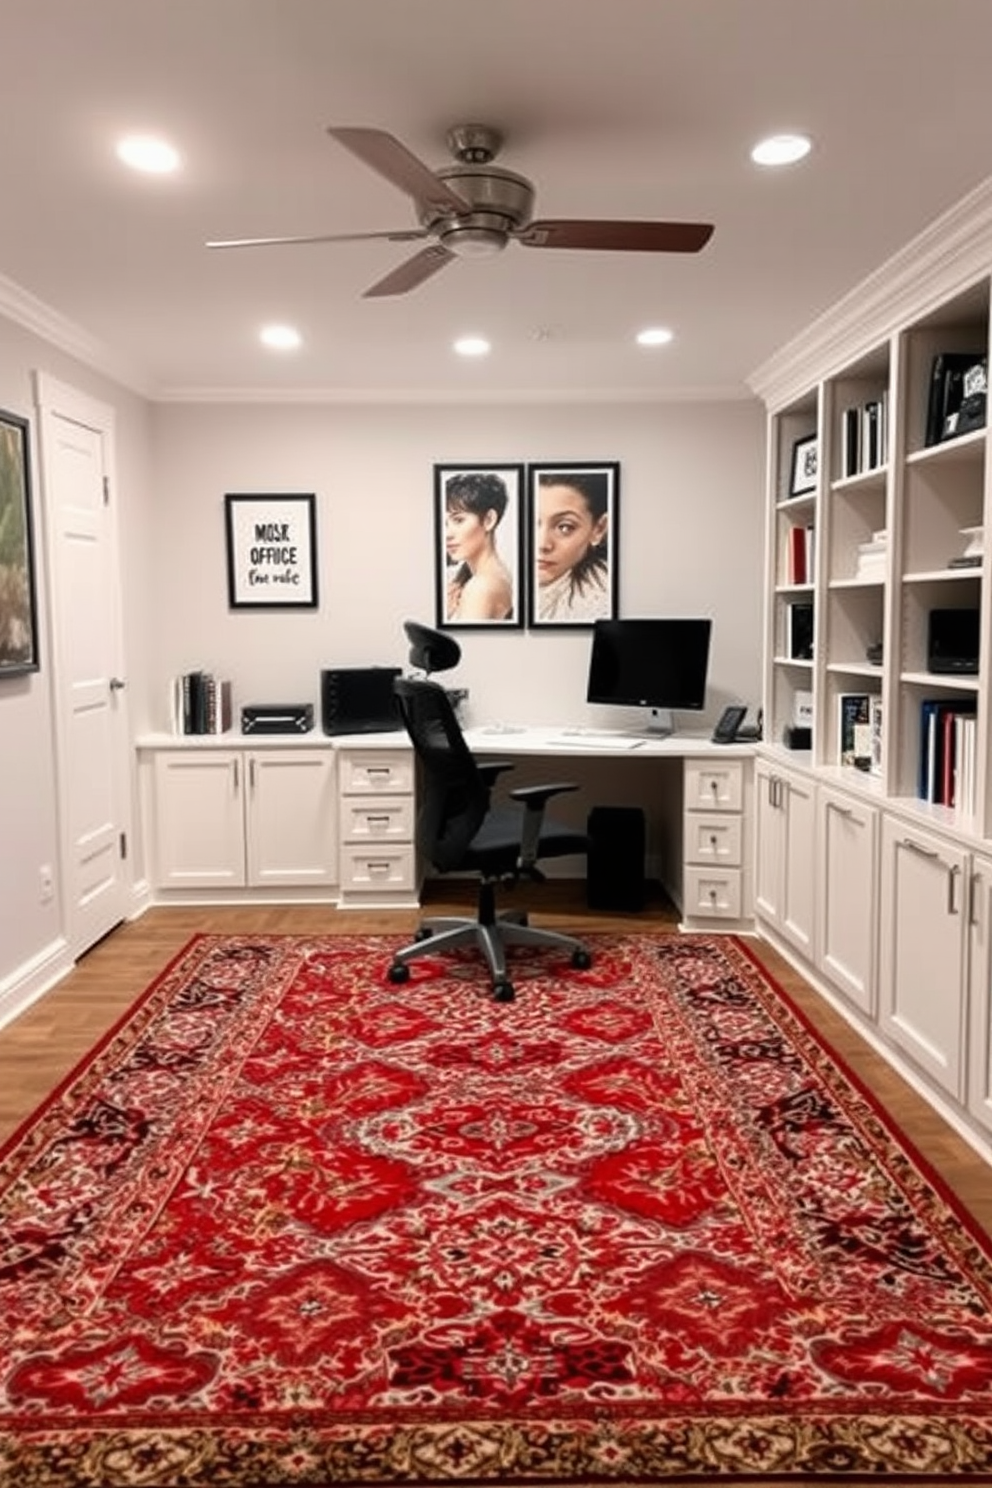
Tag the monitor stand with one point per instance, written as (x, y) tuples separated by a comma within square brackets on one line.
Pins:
[(660, 723)]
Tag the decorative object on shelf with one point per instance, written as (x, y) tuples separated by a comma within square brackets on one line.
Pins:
[(875, 730), (974, 552), (872, 556), (864, 436), (573, 512), (854, 729), (805, 465), (802, 708), (18, 605), (874, 653), (800, 632), (478, 534), (271, 551), (948, 374), (953, 641)]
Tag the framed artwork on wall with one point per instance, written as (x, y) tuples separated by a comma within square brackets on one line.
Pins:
[(478, 543), (271, 551), (18, 607), (573, 513)]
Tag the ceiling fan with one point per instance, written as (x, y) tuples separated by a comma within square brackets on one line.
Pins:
[(474, 208)]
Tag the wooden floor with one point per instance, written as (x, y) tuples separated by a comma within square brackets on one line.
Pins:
[(38, 1049)]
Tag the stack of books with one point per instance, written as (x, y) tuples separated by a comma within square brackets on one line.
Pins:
[(800, 555), (200, 703), (871, 556), (948, 735), (864, 436)]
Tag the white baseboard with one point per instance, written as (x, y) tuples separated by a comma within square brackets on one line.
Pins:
[(31, 980)]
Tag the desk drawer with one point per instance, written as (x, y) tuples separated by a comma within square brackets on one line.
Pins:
[(715, 894), (370, 772), (368, 869), (376, 818), (712, 839), (714, 785)]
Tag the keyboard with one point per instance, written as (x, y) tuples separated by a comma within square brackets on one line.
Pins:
[(594, 742)]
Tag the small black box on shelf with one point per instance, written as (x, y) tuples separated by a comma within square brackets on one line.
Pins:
[(797, 738)]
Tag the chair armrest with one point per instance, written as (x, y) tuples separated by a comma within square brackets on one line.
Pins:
[(490, 770), (534, 798)]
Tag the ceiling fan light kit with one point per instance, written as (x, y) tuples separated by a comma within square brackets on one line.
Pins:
[(473, 208)]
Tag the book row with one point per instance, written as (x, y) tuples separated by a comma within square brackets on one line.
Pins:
[(200, 703), (864, 435), (948, 732)]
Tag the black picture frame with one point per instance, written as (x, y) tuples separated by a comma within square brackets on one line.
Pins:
[(805, 465), (478, 546), (19, 649), (271, 551), (566, 592)]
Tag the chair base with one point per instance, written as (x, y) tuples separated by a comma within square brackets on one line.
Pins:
[(491, 934)]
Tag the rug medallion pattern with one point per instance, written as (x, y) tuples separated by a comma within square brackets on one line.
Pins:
[(290, 1224)]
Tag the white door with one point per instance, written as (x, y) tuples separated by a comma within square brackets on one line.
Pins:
[(88, 683)]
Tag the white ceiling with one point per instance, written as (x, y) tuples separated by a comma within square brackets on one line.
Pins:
[(613, 108)]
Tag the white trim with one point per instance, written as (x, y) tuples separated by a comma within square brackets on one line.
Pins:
[(29, 981), (26, 310), (948, 256), (737, 392)]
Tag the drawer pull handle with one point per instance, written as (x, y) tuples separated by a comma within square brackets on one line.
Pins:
[(844, 811), (714, 839), (379, 868), (919, 850)]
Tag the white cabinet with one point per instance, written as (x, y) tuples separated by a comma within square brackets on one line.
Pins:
[(785, 829), (376, 813), (979, 1073), (231, 818), (846, 894), (715, 878), (923, 929)]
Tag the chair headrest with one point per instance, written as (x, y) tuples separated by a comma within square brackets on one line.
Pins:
[(431, 650)]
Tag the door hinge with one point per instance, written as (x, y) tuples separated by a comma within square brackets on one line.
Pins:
[(106, 490), (123, 845)]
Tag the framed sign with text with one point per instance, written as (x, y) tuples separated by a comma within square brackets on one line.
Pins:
[(271, 551)]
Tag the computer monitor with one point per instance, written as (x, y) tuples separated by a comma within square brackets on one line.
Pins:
[(660, 664)]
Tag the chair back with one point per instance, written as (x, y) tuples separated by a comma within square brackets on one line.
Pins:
[(453, 798)]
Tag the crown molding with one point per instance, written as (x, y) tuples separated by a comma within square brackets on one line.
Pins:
[(948, 256), (26, 310), (421, 397)]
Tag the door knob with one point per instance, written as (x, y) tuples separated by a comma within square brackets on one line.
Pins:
[(117, 684)]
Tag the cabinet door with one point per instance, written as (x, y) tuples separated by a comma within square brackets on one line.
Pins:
[(922, 950), (768, 830), (199, 819), (798, 906), (980, 993), (291, 818), (784, 861), (848, 858)]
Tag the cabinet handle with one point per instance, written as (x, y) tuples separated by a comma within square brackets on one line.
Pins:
[(844, 811), (251, 775), (237, 775), (952, 884), (921, 852), (713, 840), (972, 881)]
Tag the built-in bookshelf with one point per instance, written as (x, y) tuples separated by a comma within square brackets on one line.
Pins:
[(890, 533)]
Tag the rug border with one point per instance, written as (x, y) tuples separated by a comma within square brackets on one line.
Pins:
[(927, 1170)]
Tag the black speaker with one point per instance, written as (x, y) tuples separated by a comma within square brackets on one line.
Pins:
[(358, 700), (615, 873), (952, 641)]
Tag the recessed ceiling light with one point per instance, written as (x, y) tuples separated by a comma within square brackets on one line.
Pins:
[(145, 152), (280, 337), (472, 346), (781, 149), (655, 336)]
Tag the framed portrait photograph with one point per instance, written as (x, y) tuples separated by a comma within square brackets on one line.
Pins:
[(805, 461), (478, 542), (18, 609), (573, 512), (271, 551)]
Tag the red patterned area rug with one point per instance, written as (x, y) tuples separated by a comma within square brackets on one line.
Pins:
[(291, 1225)]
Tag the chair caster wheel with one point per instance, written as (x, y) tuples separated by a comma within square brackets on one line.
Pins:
[(581, 960), (423, 933), (503, 992), (399, 972)]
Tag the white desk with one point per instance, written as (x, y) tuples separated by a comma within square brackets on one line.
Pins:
[(697, 797)]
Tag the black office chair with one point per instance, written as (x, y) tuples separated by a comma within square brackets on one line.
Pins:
[(459, 829)]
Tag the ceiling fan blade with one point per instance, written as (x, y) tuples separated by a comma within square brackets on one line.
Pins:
[(405, 235), (385, 154), (416, 269), (624, 237)]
